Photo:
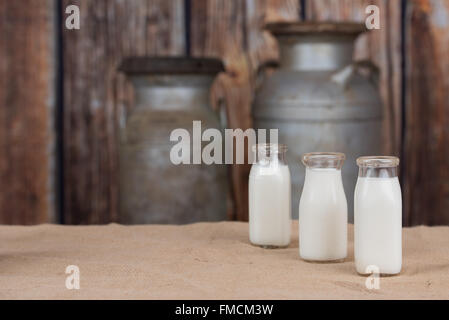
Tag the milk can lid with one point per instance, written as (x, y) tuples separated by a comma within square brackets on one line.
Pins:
[(171, 65), (314, 27)]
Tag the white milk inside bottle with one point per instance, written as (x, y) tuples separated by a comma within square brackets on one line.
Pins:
[(378, 217), (323, 212), (270, 197)]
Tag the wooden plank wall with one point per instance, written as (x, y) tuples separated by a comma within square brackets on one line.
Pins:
[(27, 139), (426, 145), (95, 93)]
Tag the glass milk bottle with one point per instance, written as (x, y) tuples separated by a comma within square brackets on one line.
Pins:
[(270, 197), (378, 216), (323, 210)]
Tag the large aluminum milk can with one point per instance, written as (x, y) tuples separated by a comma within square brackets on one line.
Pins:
[(320, 99), (170, 93)]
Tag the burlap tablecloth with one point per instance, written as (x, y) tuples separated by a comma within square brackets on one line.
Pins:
[(201, 261)]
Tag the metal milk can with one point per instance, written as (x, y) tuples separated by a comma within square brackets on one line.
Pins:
[(170, 93), (320, 99)]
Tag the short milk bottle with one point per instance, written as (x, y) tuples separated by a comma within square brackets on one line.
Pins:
[(270, 197), (378, 217), (323, 210)]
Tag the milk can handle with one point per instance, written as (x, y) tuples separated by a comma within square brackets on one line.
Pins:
[(343, 76), (260, 73)]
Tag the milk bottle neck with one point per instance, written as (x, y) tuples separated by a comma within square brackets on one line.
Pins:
[(331, 172), (324, 179), (370, 172), (270, 154), (378, 167), (271, 159)]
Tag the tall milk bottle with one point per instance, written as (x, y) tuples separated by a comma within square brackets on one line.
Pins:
[(269, 197), (378, 217), (323, 210)]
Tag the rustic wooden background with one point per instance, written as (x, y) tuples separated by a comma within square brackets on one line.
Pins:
[(61, 93)]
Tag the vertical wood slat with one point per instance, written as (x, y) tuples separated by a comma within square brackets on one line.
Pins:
[(27, 70), (231, 30), (95, 94), (217, 30), (281, 10), (383, 47), (262, 46), (426, 174)]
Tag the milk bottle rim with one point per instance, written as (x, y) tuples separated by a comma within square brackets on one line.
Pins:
[(269, 148), (324, 160), (378, 161)]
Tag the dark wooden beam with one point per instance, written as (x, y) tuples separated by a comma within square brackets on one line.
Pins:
[(426, 150), (27, 97)]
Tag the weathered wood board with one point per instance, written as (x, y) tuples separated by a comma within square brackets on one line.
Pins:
[(426, 144), (27, 102)]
